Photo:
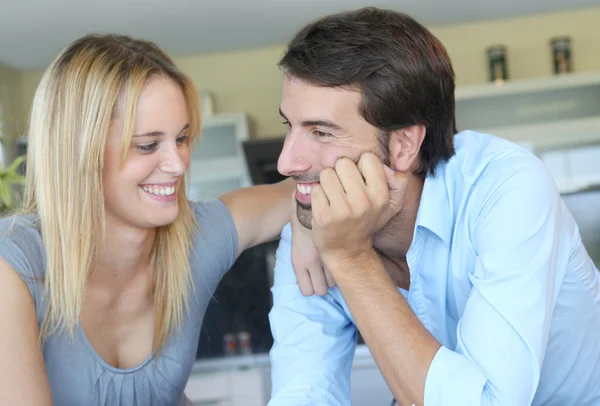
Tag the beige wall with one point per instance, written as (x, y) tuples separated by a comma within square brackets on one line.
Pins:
[(249, 81), (527, 39), (10, 100)]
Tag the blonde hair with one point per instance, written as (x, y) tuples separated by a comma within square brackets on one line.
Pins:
[(75, 102)]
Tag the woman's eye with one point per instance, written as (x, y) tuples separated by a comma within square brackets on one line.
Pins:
[(148, 147), (183, 139)]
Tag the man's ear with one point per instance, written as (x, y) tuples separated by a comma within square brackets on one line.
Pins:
[(404, 147)]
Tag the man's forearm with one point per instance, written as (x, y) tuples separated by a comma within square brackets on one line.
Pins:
[(401, 346)]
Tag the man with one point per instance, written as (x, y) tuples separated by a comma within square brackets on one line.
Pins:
[(477, 290)]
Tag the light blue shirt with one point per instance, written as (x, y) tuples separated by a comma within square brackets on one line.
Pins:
[(499, 276)]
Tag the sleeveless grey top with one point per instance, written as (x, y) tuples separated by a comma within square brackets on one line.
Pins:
[(78, 375)]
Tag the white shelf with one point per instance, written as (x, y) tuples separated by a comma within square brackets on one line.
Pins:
[(216, 120), (218, 164), (524, 86), (217, 169), (559, 134)]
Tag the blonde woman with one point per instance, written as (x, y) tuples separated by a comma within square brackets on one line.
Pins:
[(110, 265)]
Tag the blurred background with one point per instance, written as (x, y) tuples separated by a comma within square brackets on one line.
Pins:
[(526, 70)]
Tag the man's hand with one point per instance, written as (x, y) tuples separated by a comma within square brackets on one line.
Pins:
[(352, 203), (311, 275)]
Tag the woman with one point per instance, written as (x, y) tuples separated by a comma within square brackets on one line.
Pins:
[(119, 264)]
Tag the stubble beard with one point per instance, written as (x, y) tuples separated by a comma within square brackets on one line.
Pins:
[(304, 214)]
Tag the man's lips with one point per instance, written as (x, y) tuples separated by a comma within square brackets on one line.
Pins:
[(304, 191)]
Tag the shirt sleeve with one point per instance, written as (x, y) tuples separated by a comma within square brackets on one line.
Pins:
[(23, 252), (314, 341), (215, 242), (521, 256)]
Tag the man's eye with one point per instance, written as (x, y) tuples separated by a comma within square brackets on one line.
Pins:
[(321, 134)]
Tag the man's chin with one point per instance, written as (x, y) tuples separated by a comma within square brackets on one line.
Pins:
[(304, 215)]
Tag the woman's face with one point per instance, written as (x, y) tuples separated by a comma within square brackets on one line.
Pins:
[(143, 193)]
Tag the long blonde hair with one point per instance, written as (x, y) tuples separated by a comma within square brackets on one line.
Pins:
[(74, 104)]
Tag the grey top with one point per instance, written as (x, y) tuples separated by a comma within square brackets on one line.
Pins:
[(78, 375)]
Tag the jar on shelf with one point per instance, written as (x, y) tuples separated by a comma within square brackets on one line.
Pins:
[(561, 54), (497, 63)]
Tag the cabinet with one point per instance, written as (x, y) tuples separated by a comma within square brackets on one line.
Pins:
[(557, 118), (246, 381), (235, 381), (553, 112), (218, 164)]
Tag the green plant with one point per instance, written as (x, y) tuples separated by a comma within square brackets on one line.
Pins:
[(9, 177)]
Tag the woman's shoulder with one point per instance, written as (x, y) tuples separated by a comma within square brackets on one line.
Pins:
[(215, 242), (22, 248), (21, 244), (209, 212), (22, 231)]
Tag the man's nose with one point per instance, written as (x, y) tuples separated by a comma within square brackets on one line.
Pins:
[(294, 156)]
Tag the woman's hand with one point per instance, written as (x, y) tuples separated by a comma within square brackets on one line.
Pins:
[(311, 275)]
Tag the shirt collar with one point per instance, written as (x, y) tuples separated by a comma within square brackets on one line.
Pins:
[(435, 212)]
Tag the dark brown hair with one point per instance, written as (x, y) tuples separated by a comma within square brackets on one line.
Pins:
[(402, 70)]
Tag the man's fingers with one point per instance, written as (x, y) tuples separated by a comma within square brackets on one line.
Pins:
[(371, 168), (396, 183), (350, 177), (332, 188), (321, 210)]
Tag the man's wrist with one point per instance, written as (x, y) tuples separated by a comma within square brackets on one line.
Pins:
[(350, 260)]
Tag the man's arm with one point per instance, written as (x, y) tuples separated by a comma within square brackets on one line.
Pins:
[(402, 348), (504, 329), (314, 341)]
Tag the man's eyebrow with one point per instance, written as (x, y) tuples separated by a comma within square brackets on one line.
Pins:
[(159, 133), (310, 123), (322, 123)]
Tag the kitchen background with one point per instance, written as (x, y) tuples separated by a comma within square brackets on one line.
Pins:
[(527, 71)]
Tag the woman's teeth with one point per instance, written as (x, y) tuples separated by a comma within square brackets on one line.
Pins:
[(159, 190), (304, 189)]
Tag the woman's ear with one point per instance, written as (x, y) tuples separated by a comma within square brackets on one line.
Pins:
[(404, 147)]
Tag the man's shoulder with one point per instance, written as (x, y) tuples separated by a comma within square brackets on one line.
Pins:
[(483, 166), (475, 148), (482, 158)]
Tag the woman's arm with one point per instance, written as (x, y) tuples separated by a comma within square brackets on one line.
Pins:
[(23, 379), (260, 212)]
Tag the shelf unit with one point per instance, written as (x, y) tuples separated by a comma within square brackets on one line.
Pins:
[(552, 112), (557, 118), (218, 164)]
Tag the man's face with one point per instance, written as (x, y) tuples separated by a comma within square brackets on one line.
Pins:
[(324, 124)]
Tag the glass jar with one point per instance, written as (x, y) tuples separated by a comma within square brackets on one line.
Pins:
[(561, 55), (497, 62)]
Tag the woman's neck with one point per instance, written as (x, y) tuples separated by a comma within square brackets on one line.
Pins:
[(126, 253)]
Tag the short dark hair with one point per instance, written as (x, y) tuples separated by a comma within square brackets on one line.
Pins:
[(402, 70)]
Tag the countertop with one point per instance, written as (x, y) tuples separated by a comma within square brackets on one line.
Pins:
[(362, 357)]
